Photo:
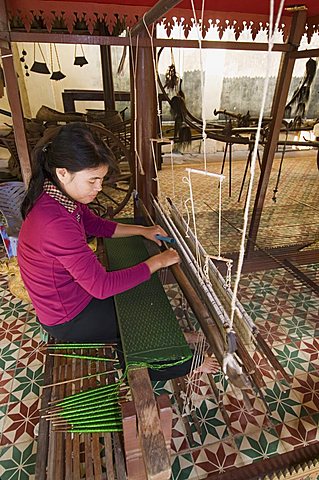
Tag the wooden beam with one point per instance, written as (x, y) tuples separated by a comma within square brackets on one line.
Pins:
[(312, 52), (155, 455), (13, 95), (4, 26), (277, 113), (107, 76), (45, 37), (156, 12), (14, 99), (144, 94)]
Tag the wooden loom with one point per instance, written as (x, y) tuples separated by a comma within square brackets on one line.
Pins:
[(147, 423)]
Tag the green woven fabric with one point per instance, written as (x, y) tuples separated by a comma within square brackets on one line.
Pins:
[(149, 329)]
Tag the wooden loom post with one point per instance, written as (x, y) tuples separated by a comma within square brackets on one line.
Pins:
[(133, 452), (146, 123), (155, 454), (277, 112), (107, 74)]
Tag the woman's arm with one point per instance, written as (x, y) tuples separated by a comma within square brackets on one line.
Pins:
[(127, 230), (99, 227), (65, 243)]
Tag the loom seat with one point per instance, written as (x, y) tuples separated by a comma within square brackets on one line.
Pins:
[(147, 422)]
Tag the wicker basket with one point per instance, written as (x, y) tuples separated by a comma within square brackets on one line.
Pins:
[(11, 196)]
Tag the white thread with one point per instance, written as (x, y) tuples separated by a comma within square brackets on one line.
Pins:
[(200, 38), (254, 156)]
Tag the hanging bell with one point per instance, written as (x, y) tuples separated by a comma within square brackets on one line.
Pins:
[(57, 76), (40, 67), (80, 61)]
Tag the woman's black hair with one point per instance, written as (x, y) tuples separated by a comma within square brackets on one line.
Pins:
[(74, 146)]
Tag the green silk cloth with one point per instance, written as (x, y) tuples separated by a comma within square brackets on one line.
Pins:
[(149, 330)]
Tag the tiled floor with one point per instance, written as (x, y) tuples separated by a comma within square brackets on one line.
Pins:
[(286, 314)]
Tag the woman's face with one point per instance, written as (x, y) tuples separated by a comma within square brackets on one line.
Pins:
[(82, 186)]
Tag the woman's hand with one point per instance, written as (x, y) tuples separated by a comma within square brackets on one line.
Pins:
[(162, 260), (151, 232)]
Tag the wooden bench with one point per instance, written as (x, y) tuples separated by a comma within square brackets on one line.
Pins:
[(147, 422)]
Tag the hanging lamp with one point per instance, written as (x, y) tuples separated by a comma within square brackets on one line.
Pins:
[(56, 75), (81, 60), (39, 67)]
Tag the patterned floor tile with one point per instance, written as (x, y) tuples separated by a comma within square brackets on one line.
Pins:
[(242, 419), (297, 327), (212, 427), (272, 333), (265, 369), (199, 385), (17, 462), (32, 328), (183, 467), (6, 382), (310, 349), (298, 433), (216, 458), (32, 353), (293, 360), (27, 383), (20, 421), (278, 306), (12, 309), (11, 330), (259, 445), (9, 354), (180, 441), (283, 404), (3, 413), (306, 389), (162, 387), (256, 310), (304, 300)]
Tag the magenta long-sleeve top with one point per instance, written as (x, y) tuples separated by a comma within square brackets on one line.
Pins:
[(60, 271)]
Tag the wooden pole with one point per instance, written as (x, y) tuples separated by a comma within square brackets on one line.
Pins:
[(278, 108), (17, 114), (107, 76), (146, 123), (13, 95)]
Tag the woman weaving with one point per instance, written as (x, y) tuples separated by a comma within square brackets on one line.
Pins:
[(69, 288)]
